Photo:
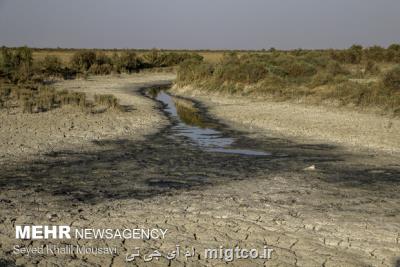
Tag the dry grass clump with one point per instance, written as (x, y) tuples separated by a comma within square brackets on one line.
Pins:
[(16, 65), (4, 95), (83, 60), (72, 98), (36, 99), (158, 59), (51, 66), (103, 69), (46, 98), (391, 79), (127, 62), (371, 68), (109, 101)]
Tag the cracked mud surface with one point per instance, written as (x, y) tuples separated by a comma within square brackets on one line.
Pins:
[(344, 213), (27, 136)]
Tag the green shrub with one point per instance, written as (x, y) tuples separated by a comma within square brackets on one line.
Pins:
[(335, 69), (4, 92), (317, 59), (192, 71), (6, 64), (247, 72), (352, 93), (272, 85), (102, 69), (102, 65), (22, 56), (157, 59), (394, 47), (173, 59), (82, 60), (365, 94), (277, 70), (375, 53), (353, 55), (391, 79), (128, 62), (16, 64), (153, 58), (322, 78), (102, 59), (393, 53), (371, 68), (51, 66), (298, 69)]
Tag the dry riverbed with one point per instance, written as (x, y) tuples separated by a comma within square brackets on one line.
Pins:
[(345, 212), (307, 123)]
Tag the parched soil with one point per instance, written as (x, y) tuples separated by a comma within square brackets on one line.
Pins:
[(345, 212), (23, 136)]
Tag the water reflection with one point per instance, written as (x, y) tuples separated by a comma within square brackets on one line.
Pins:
[(191, 124)]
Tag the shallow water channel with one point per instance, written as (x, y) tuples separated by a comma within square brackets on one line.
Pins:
[(190, 123)]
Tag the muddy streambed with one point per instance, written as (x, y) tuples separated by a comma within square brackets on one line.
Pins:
[(193, 151), (188, 121)]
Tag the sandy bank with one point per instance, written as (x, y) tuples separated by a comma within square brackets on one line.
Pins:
[(311, 123), (23, 135)]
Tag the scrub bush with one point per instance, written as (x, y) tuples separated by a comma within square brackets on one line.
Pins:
[(371, 68), (102, 69), (391, 79), (375, 53), (127, 62), (82, 60), (51, 66), (16, 64)]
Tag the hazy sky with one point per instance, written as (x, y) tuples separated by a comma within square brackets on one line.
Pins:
[(199, 24)]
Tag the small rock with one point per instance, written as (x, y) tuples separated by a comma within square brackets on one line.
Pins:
[(310, 168), (52, 216)]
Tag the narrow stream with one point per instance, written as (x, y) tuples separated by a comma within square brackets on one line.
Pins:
[(202, 133)]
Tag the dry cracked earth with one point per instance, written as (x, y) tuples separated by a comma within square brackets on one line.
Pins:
[(346, 212)]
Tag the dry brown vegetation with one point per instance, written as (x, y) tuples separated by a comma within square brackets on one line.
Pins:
[(65, 55), (357, 77), (25, 77), (42, 98), (362, 77)]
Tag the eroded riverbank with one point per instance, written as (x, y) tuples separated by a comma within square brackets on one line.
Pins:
[(343, 213), (304, 123)]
